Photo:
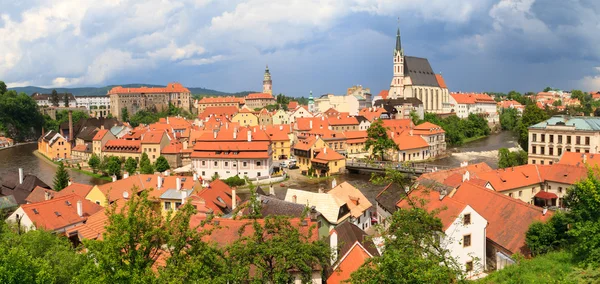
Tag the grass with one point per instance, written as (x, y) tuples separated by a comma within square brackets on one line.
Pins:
[(98, 176), (467, 140), (554, 267)]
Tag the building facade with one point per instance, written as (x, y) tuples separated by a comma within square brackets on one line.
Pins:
[(219, 102), (45, 100), (144, 98), (93, 102)]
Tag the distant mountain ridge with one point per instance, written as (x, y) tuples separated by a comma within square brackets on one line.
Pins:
[(100, 91)]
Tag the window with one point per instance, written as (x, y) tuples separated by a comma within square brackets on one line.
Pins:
[(467, 240), (520, 193), (226, 164), (467, 219), (559, 139), (551, 151), (533, 162), (559, 151), (568, 139), (258, 164), (510, 195), (245, 164), (258, 174), (542, 150), (203, 173), (533, 190), (532, 149), (216, 163), (335, 163), (167, 205), (577, 140), (153, 156), (204, 163), (542, 162), (587, 141), (177, 205), (543, 137), (551, 137), (98, 202), (469, 266), (559, 189)]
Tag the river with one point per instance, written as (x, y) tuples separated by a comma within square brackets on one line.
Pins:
[(483, 150), (22, 156)]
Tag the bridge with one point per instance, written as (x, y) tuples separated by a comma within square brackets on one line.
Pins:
[(381, 166)]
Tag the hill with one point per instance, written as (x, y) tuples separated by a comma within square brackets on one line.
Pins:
[(100, 91)]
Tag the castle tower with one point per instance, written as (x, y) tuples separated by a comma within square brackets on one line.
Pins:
[(311, 103), (397, 85), (267, 82)]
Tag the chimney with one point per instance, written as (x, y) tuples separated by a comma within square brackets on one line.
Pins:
[(443, 193), (584, 158), (271, 190), (70, 182), (280, 127), (313, 213), (79, 208), (233, 199), (544, 211), (21, 177), (125, 175), (310, 124), (254, 129), (47, 195), (226, 125), (102, 126), (466, 176), (114, 178), (195, 176), (333, 243), (235, 134), (70, 126), (158, 182), (215, 134), (325, 150), (178, 183), (249, 136)]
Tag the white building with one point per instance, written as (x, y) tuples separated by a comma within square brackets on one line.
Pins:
[(44, 100), (252, 159), (90, 102), (465, 104)]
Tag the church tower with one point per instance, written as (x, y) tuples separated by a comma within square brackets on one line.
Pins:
[(267, 83), (397, 85)]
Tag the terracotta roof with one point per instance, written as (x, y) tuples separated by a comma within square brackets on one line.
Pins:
[(214, 100), (356, 201), (384, 94), (441, 81), (342, 120), (563, 173), (305, 144), (409, 142), (226, 134), (474, 171), (349, 262), (304, 123), (257, 96), (115, 190), (218, 197), (59, 212), (432, 201), (95, 225), (355, 136), (580, 159), (153, 137), (174, 147), (513, 177), (510, 103), (100, 134), (80, 148), (371, 113), (240, 146), (78, 189), (398, 124), (472, 98), (120, 145), (39, 194), (327, 155), (228, 111), (292, 105), (428, 128), (170, 88), (546, 195)]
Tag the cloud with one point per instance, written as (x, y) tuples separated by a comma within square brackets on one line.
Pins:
[(592, 82)]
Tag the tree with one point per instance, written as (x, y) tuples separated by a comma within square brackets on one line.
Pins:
[(161, 164), (378, 141), (547, 89), (66, 99), (557, 103), (94, 162), (130, 165), (3, 88), (542, 238), (54, 99), (583, 201), (61, 178), (506, 158), (145, 165), (214, 177), (113, 167), (414, 116), (531, 115), (276, 246), (124, 114), (509, 117), (20, 117)]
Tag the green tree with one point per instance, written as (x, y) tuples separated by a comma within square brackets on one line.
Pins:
[(66, 99), (3, 88), (531, 115), (542, 238), (113, 167), (557, 103), (266, 255), (125, 114), (506, 158), (94, 162), (161, 164), (414, 116), (20, 118), (130, 165), (547, 89), (378, 140), (61, 178), (145, 165), (54, 98), (509, 117), (214, 177), (583, 201)]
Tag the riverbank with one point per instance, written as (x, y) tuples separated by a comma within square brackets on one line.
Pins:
[(17, 145), (472, 139), (55, 164)]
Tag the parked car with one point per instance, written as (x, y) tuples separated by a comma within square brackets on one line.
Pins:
[(283, 164)]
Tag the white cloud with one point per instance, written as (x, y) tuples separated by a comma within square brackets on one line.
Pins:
[(590, 83)]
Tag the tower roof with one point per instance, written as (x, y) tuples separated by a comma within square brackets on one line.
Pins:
[(398, 44), (267, 69)]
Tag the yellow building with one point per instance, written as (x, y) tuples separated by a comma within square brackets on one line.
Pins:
[(265, 117), (54, 146), (355, 144), (305, 150), (153, 142), (328, 162), (245, 118), (100, 140), (280, 116), (280, 141)]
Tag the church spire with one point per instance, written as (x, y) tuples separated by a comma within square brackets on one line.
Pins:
[(398, 42)]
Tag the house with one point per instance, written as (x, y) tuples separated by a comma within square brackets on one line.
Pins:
[(279, 135), (78, 189), (148, 98), (351, 247), (54, 146), (359, 205), (153, 142), (356, 143), (218, 111), (56, 215), (410, 147), (465, 104), (434, 135), (122, 148), (40, 194), (20, 185), (280, 116), (342, 122), (386, 201), (299, 113), (219, 102), (305, 150), (328, 162), (400, 108), (511, 104), (259, 100), (372, 113), (580, 159), (265, 117), (333, 209), (217, 199)]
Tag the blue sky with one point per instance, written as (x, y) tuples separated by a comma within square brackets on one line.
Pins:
[(323, 46)]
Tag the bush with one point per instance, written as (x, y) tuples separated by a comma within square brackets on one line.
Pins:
[(235, 181)]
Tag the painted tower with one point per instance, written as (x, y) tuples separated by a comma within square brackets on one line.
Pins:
[(267, 83), (311, 103), (397, 85)]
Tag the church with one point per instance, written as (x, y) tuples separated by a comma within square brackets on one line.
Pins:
[(414, 78)]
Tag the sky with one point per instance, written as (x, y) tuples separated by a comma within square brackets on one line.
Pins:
[(320, 46)]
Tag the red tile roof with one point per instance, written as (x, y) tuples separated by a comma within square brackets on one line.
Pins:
[(580, 159), (292, 105), (79, 148), (327, 155), (227, 111), (59, 212), (115, 190), (170, 88), (371, 113), (546, 195), (304, 123), (409, 142), (259, 96), (174, 147), (305, 144), (153, 137), (120, 145), (472, 98), (231, 150), (474, 171), (563, 173), (512, 178), (78, 189), (384, 94), (342, 120), (218, 197), (216, 100), (350, 262), (440, 81), (38, 194), (432, 201), (100, 134), (428, 128), (226, 134), (398, 124)]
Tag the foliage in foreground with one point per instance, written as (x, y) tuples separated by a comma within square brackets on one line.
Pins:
[(457, 130), (506, 158)]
